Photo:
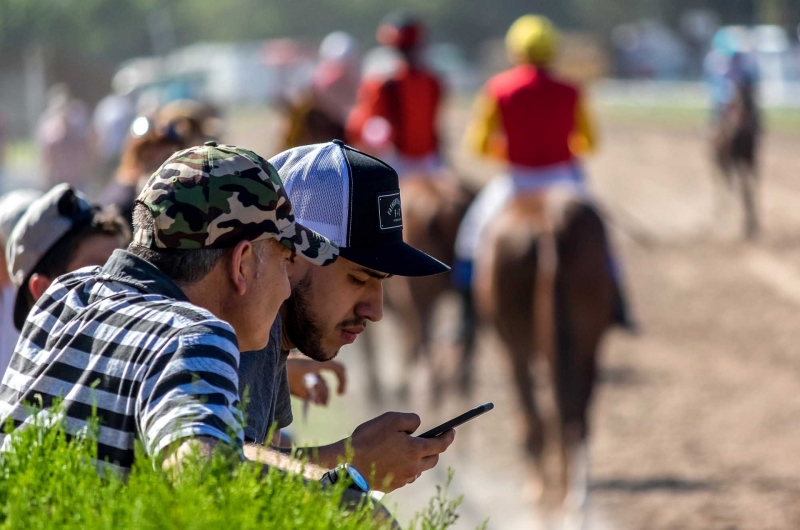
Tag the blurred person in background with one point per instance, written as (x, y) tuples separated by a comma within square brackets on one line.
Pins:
[(146, 148), (64, 138), (59, 232), (112, 120), (537, 124), (196, 122), (12, 207), (319, 113), (396, 115)]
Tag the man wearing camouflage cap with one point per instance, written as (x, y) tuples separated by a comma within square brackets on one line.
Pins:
[(152, 339)]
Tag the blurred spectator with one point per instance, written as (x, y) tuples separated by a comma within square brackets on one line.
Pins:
[(146, 149), (64, 139), (59, 233), (12, 207), (112, 121), (193, 121)]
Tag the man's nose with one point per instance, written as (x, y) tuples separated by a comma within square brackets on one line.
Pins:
[(371, 307)]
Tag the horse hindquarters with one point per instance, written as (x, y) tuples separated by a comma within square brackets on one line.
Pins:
[(550, 296)]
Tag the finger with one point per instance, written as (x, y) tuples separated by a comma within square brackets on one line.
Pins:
[(429, 462), (341, 375), (339, 371), (321, 392), (407, 422), (434, 446)]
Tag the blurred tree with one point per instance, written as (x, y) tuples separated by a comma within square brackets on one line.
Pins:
[(118, 29)]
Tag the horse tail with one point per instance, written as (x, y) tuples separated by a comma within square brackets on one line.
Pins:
[(544, 294)]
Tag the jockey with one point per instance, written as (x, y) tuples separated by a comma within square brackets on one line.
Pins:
[(398, 112), (318, 113), (336, 76), (728, 67), (537, 124)]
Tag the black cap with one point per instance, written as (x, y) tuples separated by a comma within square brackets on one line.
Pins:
[(325, 180)]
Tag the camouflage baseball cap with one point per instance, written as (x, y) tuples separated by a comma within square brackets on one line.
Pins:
[(214, 196)]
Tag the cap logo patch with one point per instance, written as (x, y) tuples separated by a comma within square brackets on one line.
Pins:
[(389, 211)]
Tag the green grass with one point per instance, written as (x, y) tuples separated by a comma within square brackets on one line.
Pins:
[(48, 482)]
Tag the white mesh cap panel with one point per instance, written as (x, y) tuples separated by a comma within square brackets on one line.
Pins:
[(317, 181)]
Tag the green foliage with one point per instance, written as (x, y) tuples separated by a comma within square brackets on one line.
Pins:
[(441, 511), (49, 480)]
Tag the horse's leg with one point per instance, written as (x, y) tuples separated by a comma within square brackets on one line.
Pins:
[(410, 324), (467, 335), (374, 390), (436, 364), (533, 427), (747, 179), (411, 355), (722, 186)]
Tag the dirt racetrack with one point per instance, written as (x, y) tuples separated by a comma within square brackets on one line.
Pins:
[(695, 423)]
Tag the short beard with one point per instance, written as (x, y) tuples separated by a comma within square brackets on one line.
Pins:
[(303, 329)]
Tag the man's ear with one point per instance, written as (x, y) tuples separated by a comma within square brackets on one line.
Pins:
[(38, 284), (241, 266), (297, 270)]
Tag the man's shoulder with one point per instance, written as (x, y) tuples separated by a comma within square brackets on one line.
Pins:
[(124, 305)]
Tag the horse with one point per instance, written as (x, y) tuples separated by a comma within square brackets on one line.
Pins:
[(735, 143), (432, 209), (544, 283), (309, 123)]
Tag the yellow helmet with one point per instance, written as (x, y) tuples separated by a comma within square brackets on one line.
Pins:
[(532, 38)]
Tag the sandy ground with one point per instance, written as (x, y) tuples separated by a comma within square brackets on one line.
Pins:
[(694, 422)]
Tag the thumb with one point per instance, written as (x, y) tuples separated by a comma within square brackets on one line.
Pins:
[(407, 422)]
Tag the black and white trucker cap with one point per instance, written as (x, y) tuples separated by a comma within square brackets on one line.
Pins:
[(353, 199)]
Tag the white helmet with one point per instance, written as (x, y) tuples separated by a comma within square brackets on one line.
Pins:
[(339, 46)]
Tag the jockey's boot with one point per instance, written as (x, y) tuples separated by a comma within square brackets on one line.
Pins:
[(622, 313)]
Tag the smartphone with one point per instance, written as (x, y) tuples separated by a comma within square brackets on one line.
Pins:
[(458, 420)]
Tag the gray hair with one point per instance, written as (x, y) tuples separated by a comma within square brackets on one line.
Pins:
[(184, 267)]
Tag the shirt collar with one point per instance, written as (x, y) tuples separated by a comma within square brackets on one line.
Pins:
[(130, 269)]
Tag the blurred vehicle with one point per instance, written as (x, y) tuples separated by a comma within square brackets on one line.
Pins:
[(648, 49), (223, 74)]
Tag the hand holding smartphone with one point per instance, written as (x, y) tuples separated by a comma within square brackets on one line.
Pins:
[(458, 420)]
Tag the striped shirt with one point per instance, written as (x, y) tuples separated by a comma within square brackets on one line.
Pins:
[(126, 338)]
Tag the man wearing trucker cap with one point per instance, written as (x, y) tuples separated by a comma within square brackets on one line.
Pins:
[(152, 338), (354, 200)]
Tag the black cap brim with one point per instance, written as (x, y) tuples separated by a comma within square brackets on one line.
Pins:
[(398, 258)]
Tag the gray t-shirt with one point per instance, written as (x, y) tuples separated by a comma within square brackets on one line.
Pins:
[(263, 373)]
